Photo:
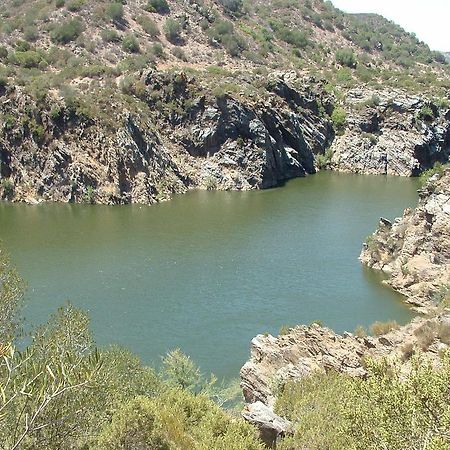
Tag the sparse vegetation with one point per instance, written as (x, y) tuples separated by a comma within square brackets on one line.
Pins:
[(379, 328)]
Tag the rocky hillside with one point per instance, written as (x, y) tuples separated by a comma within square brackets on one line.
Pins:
[(112, 102), (415, 250)]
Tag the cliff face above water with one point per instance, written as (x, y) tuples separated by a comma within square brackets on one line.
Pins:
[(391, 132), (204, 141), (415, 250), (184, 137)]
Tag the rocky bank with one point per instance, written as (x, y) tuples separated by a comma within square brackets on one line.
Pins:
[(184, 138), (415, 252), (179, 134)]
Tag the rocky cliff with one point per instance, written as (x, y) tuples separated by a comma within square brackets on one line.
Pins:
[(183, 137), (415, 250), (390, 132)]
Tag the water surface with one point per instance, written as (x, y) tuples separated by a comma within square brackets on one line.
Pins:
[(208, 271)]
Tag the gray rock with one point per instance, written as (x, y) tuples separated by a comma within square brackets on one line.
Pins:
[(271, 426)]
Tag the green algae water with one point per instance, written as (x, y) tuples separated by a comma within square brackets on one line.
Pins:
[(208, 271)]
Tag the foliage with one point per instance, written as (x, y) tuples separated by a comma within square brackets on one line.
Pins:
[(115, 11), (159, 6), (339, 118), (379, 328), (130, 44), (148, 25), (176, 419), (67, 31), (387, 410), (313, 404), (11, 297), (346, 57), (438, 169), (172, 30)]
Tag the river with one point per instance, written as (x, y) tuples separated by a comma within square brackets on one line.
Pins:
[(208, 271)]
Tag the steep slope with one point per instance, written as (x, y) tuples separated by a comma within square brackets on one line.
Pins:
[(131, 102)]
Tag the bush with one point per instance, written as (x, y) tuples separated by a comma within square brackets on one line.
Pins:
[(110, 35), (179, 53), (148, 25), (223, 32), (3, 52), (172, 30), (67, 31), (115, 11), (233, 6), (7, 187), (28, 59), (379, 328), (426, 114), (130, 44), (75, 5), (159, 6), (176, 419), (437, 169), (339, 118), (346, 57)]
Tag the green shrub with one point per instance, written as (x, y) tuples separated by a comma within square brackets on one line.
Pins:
[(130, 44), (426, 114), (7, 187), (3, 52), (437, 169), (148, 25), (172, 30), (223, 32), (67, 31), (346, 57), (159, 6), (232, 6), (28, 59), (339, 118), (179, 53), (75, 5), (158, 50), (109, 35), (115, 11), (22, 46), (176, 419)]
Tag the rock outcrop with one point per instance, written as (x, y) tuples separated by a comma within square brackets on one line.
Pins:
[(306, 350), (185, 138), (415, 250), (391, 132)]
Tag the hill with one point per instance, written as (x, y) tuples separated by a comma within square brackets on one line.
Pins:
[(102, 101)]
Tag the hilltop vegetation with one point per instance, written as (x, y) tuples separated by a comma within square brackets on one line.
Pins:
[(75, 47)]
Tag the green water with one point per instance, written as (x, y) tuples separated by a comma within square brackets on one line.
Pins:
[(208, 271)]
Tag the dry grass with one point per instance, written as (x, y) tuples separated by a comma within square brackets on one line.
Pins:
[(380, 328)]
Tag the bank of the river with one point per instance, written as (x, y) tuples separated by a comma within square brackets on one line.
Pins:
[(228, 265)]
